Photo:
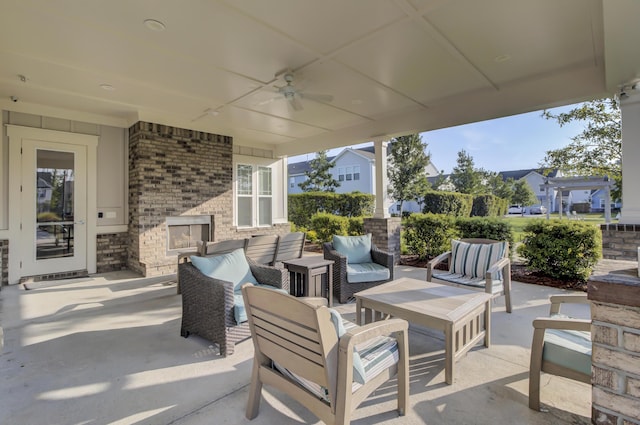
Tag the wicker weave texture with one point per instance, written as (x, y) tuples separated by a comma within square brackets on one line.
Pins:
[(207, 304), (345, 290)]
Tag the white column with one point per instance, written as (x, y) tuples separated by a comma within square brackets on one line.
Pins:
[(382, 207), (630, 108), (607, 205)]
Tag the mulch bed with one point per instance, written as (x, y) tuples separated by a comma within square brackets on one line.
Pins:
[(519, 273)]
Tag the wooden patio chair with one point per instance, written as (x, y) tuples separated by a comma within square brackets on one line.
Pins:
[(561, 346), (298, 350), (290, 246), (476, 263)]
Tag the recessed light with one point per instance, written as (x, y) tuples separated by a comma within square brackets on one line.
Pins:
[(107, 87), (502, 58), (154, 25)]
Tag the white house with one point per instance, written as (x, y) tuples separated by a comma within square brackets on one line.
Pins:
[(355, 170)]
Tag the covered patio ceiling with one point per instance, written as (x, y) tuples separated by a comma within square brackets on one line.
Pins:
[(391, 67)]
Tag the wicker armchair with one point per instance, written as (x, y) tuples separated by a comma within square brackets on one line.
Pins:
[(208, 304), (341, 287)]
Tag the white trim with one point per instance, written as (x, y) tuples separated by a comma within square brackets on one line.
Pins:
[(16, 134)]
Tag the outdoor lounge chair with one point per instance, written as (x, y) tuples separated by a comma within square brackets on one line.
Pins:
[(358, 265), (476, 263), (561, 346), (302, 350), (211, 307)]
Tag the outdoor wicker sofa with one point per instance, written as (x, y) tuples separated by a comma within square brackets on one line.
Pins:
[(208, 303)]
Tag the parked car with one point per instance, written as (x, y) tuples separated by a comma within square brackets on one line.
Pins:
[(537, 209), (514, 209)]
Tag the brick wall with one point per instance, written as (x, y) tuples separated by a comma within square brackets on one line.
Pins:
[(111, 252), (385, 234), (174, 172), (616, 364), (620, 241)]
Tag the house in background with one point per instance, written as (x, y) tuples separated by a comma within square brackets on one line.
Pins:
[(354, 169)]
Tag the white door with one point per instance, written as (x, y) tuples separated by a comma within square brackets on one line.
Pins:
[(53, 207)]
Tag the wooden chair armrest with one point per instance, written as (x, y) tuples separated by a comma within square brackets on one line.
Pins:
[(498, 265), (315, 301), (562, 324), (558, 300), (371, 330), (433, 263)]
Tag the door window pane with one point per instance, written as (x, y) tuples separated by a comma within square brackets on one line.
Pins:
[(54, 204)]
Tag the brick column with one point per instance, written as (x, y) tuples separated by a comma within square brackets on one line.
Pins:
[(615, 333), (620, 241), (385, 234)]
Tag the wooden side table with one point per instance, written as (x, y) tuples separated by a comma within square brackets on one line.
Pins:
[(311, 277)]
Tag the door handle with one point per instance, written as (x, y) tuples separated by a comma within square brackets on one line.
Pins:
[(79, 222)]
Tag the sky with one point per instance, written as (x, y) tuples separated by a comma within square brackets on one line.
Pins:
[(505, 144)]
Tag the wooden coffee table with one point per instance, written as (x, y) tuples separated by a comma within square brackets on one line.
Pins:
[(462, 314)]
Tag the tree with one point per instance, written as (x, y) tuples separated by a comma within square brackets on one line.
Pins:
[(407, 169), (597, 150), (465, 177), (495, 185), (319, 179), (522, 193)]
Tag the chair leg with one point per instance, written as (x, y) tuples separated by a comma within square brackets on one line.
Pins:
[(535, 368), (507, 288), (403, 374), (255, 392)]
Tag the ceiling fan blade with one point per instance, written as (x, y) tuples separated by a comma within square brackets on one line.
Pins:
[(317, 97), (295, 104)]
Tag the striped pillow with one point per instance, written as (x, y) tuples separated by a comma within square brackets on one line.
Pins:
[(474, 260)]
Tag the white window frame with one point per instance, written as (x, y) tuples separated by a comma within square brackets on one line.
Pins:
[(340, 174), (356, 172), (255, 194)]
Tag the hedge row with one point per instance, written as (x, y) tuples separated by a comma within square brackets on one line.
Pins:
[(428, 235), (303, 206), (464, 205)]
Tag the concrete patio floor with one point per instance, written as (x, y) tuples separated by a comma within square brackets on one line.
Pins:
[(108, 350)]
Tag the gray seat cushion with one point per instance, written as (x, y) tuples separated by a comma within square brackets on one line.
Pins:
[(366, 272), (569, 349)]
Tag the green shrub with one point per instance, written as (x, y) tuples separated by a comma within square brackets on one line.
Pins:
[(428, 235), (485, 228), (488, 206), (302, 206), (326, 225), (355, 226), (561, 249), (451, 203)]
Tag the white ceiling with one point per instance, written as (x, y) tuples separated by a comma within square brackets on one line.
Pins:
[(392, 67)]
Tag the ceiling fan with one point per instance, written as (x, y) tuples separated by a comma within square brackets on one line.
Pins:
[(293, 95)]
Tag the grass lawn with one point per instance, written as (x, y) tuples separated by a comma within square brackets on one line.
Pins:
[(518, 222)]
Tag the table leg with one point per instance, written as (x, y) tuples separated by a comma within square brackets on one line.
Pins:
[(487, 324), (358, 311), (449, 353)]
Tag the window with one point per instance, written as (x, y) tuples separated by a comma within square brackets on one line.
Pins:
[(292, 182), (340, 174), (356, 172), (349, 173), (254, 194)]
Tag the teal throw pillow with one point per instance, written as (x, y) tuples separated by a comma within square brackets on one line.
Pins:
[(232, 267), (357, 249)]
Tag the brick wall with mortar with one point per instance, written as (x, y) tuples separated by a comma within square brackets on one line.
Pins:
[(614, 292), (616, 364), (620, 241), (178, 172), (112, 252), (385, 234), (174, 172)]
